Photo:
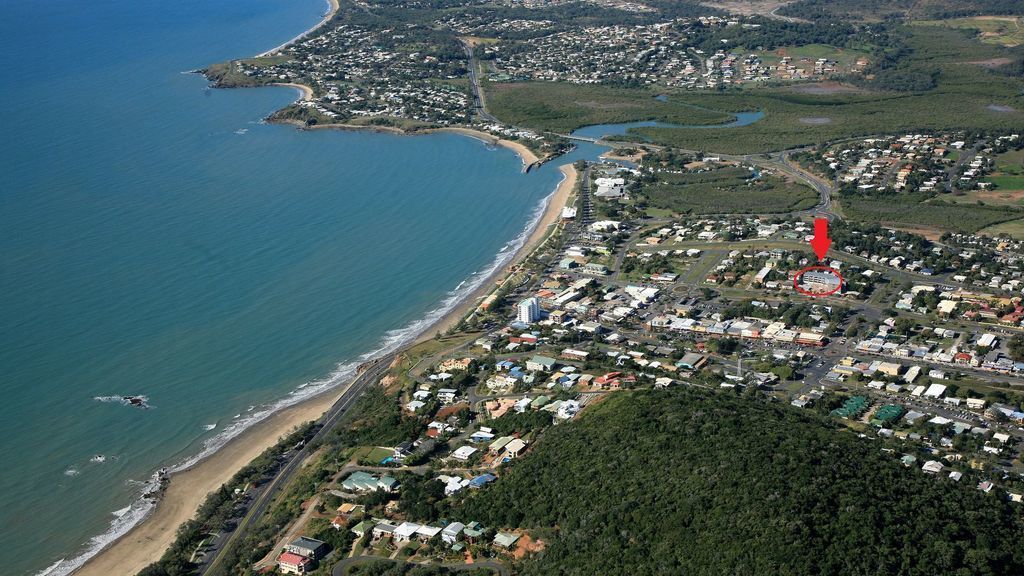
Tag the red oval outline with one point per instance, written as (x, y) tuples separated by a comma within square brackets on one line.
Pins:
[(817, 294)]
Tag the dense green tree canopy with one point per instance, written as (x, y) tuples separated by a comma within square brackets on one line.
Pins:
[(691, 482)]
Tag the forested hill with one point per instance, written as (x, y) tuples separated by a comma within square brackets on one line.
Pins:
[(691, 482)]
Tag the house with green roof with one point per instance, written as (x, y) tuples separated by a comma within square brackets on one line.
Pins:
[(360, 481), (473, 530), (853, 406), (505, 540), (539, 402), (541, 364), (886, 414), (363, 527)]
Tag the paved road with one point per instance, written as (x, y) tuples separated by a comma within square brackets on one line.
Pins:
[(474, 80), (780, 161), (265, 495)]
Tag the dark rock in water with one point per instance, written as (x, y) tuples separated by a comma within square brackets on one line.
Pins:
[(136, 401)]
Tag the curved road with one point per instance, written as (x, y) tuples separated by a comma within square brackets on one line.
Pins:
[(780, 161)]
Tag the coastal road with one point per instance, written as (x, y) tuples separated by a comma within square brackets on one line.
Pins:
[(266, 494), (474, 80)]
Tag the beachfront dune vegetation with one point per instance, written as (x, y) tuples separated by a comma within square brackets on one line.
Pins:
[(688, 481)]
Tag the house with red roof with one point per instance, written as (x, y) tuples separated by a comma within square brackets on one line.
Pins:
[(609, 381), (291, 563)]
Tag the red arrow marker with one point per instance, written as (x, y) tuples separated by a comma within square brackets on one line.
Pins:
[(821, 241)]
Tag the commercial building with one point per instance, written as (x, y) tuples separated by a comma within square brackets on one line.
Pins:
[(528, 311), (820, 281)]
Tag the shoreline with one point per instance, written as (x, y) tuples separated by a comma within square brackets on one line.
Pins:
[(538, 234), (525, 154), (334, 7), (187, 489), (306, 91)]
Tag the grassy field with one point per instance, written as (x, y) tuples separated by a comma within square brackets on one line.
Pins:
[(1014, 228), (378, 454), (995, 197), (1002, 30), (658, 213), (962, 100), (1007, 182), (563, 107), (910, 210), (1011, 162), (727, 190)]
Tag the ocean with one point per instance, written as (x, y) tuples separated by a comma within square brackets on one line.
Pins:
[(158, 239)]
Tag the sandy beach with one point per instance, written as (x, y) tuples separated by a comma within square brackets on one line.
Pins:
[(327, 17), (525, 153), (553, 211), (146, 542), (307, 92), (187, 489)]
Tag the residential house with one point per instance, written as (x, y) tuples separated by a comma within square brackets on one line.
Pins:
[(308, 547), (464, 453), (452, 532), (505, 540), (290, 563)]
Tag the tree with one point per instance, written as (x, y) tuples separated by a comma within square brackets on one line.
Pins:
[(783, 372), (1016, 347), (904, 326), (687, 481)]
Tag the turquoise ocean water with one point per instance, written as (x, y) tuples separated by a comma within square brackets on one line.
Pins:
[(157, 239)]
